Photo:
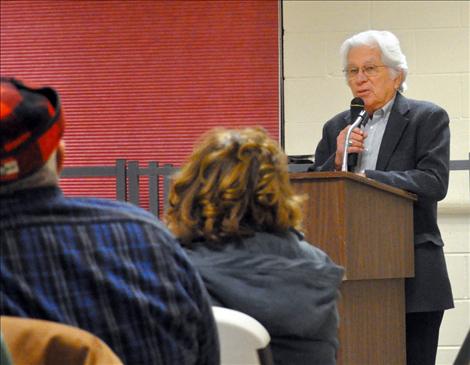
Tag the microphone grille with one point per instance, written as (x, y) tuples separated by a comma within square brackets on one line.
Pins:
[(357, 103)]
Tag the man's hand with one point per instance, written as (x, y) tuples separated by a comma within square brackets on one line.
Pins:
[(356, 144)]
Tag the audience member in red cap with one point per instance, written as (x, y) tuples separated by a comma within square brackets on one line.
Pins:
[(107, 267)]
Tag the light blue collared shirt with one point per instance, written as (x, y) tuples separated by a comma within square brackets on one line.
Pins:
[(375, 129)]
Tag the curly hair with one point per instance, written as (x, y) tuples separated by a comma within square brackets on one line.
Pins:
[(235, 183)]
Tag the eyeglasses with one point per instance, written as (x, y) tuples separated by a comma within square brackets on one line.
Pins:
[(368, 70)]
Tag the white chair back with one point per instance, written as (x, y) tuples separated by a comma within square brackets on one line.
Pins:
[(243, 340)]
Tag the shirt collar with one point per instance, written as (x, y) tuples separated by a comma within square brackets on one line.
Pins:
[(385, 109)]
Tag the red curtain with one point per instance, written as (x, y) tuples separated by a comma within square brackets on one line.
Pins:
[(142, 80)]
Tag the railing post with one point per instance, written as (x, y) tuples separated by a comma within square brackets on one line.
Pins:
[(121, 193), (167, 172), (133, 182), (153, 187)]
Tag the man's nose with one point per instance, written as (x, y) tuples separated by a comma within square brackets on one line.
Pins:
[(361, 76)]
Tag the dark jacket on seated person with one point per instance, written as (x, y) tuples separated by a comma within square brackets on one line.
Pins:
[(288, 285)]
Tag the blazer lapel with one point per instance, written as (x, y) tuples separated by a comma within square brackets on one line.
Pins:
[(396, 124)]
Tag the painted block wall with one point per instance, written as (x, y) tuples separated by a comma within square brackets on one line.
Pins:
[(435, 37)]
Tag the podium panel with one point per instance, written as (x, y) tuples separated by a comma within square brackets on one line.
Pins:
[(366, 227)]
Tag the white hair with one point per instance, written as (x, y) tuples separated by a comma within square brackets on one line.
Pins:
[(47, 175), (389, 45)]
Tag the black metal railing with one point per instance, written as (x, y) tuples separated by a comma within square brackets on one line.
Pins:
[(154, 172), (128, 173)]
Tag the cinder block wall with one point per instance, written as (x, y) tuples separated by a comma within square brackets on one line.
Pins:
[(435, 37)]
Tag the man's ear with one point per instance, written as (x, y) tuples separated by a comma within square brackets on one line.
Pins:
[(398, 80), (60, 156)]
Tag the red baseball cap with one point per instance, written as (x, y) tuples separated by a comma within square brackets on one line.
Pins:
[(31, 127)]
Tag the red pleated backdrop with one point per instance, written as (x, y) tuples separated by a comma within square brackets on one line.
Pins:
[(142, 80)]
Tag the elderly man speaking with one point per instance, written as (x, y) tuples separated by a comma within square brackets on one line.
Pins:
[(404, 144)]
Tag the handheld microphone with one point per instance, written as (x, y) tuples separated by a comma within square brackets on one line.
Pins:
[(360, 115), (357, 105)]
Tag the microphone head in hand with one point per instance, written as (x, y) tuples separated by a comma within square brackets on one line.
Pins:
[(357, 104)]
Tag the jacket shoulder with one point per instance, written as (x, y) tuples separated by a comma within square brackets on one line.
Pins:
[(339, 119), (418, 106)]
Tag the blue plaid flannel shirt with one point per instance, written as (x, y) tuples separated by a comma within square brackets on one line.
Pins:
[(109, 268)]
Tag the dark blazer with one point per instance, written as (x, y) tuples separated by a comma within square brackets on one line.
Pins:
[(414, 156)]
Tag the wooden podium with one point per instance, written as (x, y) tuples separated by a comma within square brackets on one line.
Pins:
[(366, 227)]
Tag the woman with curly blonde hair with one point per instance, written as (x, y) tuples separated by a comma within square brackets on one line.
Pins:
[(234, 210)]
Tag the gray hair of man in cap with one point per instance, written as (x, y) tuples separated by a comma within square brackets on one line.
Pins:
[(47, 175)]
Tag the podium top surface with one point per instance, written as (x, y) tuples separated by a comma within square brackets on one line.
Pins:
[(341, 175)]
